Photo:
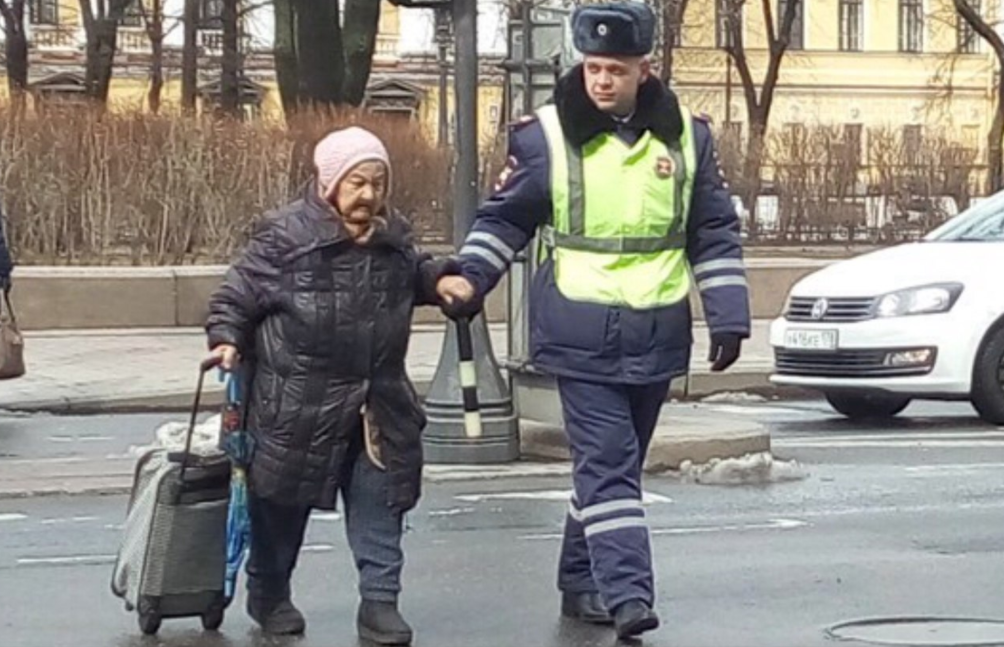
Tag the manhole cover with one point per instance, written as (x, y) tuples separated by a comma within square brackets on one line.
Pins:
[(922, 632)]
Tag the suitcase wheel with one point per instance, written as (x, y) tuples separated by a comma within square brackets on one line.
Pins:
[(149, 623), (212, 619)]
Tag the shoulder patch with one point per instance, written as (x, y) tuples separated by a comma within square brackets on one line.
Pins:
[(522, 122), (511, 165)]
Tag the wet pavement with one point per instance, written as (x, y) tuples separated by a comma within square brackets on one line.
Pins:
[(902, 520)]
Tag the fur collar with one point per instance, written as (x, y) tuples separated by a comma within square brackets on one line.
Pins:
[(658, 110)]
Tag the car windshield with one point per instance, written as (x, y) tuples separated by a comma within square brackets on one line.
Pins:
[(983, 222)]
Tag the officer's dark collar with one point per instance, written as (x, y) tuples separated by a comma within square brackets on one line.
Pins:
[(658, 110)]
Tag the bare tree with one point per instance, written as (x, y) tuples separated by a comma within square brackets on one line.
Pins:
[(15, 50), (673, 13), (101, 26), (190, 56), (287, 65), (758, 104), (153, 24), (995, 162), (230, 99)]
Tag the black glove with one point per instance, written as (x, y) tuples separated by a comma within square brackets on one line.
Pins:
[(725, 347), (461, 309)]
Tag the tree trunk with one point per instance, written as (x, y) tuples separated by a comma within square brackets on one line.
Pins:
[(190, 57), (287, 68), (673, 12), (995, 158), (229, 80), (362, 21), (319, 44), (155, 31), (16, 50), (102, 41), (752, 166)]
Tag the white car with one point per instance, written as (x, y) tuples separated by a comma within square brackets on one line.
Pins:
[(922, 320)]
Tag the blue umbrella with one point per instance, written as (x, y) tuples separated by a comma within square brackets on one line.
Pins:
[(237, 444)]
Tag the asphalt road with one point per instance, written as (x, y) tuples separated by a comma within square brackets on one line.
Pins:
[(905, 519)]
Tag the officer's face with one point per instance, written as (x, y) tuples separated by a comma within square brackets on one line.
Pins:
[(613, 81)]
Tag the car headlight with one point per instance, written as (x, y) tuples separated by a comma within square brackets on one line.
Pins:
[(925, 299)]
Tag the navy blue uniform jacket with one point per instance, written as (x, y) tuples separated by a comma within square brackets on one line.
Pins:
[(592, 341)]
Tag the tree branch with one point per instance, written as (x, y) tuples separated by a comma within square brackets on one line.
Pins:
[(981, 27)]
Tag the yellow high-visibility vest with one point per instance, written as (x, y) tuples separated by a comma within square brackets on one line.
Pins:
[(619, 216)]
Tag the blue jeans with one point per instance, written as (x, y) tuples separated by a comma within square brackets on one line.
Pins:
[(373, 528)]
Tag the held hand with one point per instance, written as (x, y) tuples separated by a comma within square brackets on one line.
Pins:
[(228, 355), (454, 288), (457, 297), (725, 348)]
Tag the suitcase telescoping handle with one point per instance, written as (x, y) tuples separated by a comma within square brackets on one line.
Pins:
[(206, 366)]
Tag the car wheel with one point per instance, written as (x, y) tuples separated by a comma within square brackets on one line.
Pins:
[(862, 406), (988, 379)]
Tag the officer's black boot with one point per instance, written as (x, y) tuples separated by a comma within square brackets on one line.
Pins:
[(381, 622), (634, 618), (587, 607), (276, 616)]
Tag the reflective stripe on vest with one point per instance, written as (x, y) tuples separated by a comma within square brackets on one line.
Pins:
[(619, 216)]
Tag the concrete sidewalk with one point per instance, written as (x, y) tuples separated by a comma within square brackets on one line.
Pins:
[(156, 369)]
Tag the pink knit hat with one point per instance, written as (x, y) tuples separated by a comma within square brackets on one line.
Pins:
[(342, 150)]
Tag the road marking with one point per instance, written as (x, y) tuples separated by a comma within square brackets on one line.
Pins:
[(543, 495), (67, 560), (317, 548), (919, 435), (443, 473), (773, 524), (452, 512), (961, 467), (12, 516), (69, 520), (917, 444), (326, 516)]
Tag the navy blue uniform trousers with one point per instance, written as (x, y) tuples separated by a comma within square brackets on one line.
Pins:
[(606, 545)]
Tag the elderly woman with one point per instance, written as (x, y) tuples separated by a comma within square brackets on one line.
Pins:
[(318, 310)]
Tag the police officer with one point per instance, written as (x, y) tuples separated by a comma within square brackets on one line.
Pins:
[(624, 187)]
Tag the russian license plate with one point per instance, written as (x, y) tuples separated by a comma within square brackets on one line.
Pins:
[(811, 339)]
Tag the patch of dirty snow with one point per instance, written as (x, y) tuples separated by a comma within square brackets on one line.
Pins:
[(746, 470), (732, 397)]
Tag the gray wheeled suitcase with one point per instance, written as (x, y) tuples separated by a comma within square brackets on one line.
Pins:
[(173, 558)]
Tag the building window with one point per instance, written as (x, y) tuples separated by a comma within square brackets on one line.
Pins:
[(913, 136), (852, 140), (797, 37), (968, 41), (211, 14), (911, 26), (133, 15), (43, 12), (852, 20), (728, 18)]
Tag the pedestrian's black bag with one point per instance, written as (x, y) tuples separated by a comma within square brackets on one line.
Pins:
[(173, 558), (11, 341)]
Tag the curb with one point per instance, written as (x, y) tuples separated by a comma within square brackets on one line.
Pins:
[(701, 385), (722, 438)]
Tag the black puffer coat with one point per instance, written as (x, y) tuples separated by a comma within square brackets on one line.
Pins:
[(323, 324)]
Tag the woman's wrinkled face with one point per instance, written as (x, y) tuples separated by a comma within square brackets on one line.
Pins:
[(361, 194)]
